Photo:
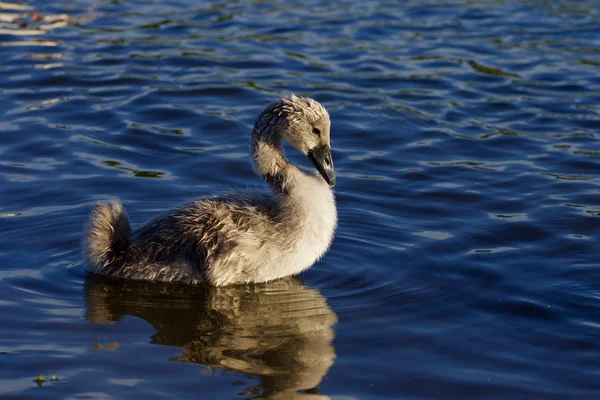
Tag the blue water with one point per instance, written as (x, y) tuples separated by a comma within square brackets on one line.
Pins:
[(466, 138)]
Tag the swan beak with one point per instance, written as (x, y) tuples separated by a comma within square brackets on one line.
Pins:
[(321, 159)]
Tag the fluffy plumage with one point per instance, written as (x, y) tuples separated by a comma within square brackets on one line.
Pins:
[(238, 237)]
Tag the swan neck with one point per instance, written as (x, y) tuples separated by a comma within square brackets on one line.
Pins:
[(268, 158)]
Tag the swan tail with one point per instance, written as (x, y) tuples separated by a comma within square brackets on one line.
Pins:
[(107, 235)]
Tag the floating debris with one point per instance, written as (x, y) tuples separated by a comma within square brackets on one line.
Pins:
[(40, 379)]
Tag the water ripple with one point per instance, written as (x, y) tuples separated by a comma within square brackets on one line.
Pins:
[(465, 137)]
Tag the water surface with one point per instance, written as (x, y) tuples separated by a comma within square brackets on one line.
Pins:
[(466, 141)]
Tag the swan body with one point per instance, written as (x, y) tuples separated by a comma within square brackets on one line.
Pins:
[(237, 237)]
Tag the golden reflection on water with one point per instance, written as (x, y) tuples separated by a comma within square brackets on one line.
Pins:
[(22, 21), (281, 332)]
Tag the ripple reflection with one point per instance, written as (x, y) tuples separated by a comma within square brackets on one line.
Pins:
[(281, 332)]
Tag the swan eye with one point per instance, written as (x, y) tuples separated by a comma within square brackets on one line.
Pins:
[(316, 131)]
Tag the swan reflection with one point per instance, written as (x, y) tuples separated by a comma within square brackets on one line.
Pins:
[(281, 332)]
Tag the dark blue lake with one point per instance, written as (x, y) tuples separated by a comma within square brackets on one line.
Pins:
[(466, 139)]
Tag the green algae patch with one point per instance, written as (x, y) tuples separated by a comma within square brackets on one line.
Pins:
[(490, 71)]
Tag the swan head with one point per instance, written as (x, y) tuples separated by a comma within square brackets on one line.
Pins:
[(304, 123)]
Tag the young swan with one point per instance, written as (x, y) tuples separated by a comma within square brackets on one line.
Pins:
[(238, 237)]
